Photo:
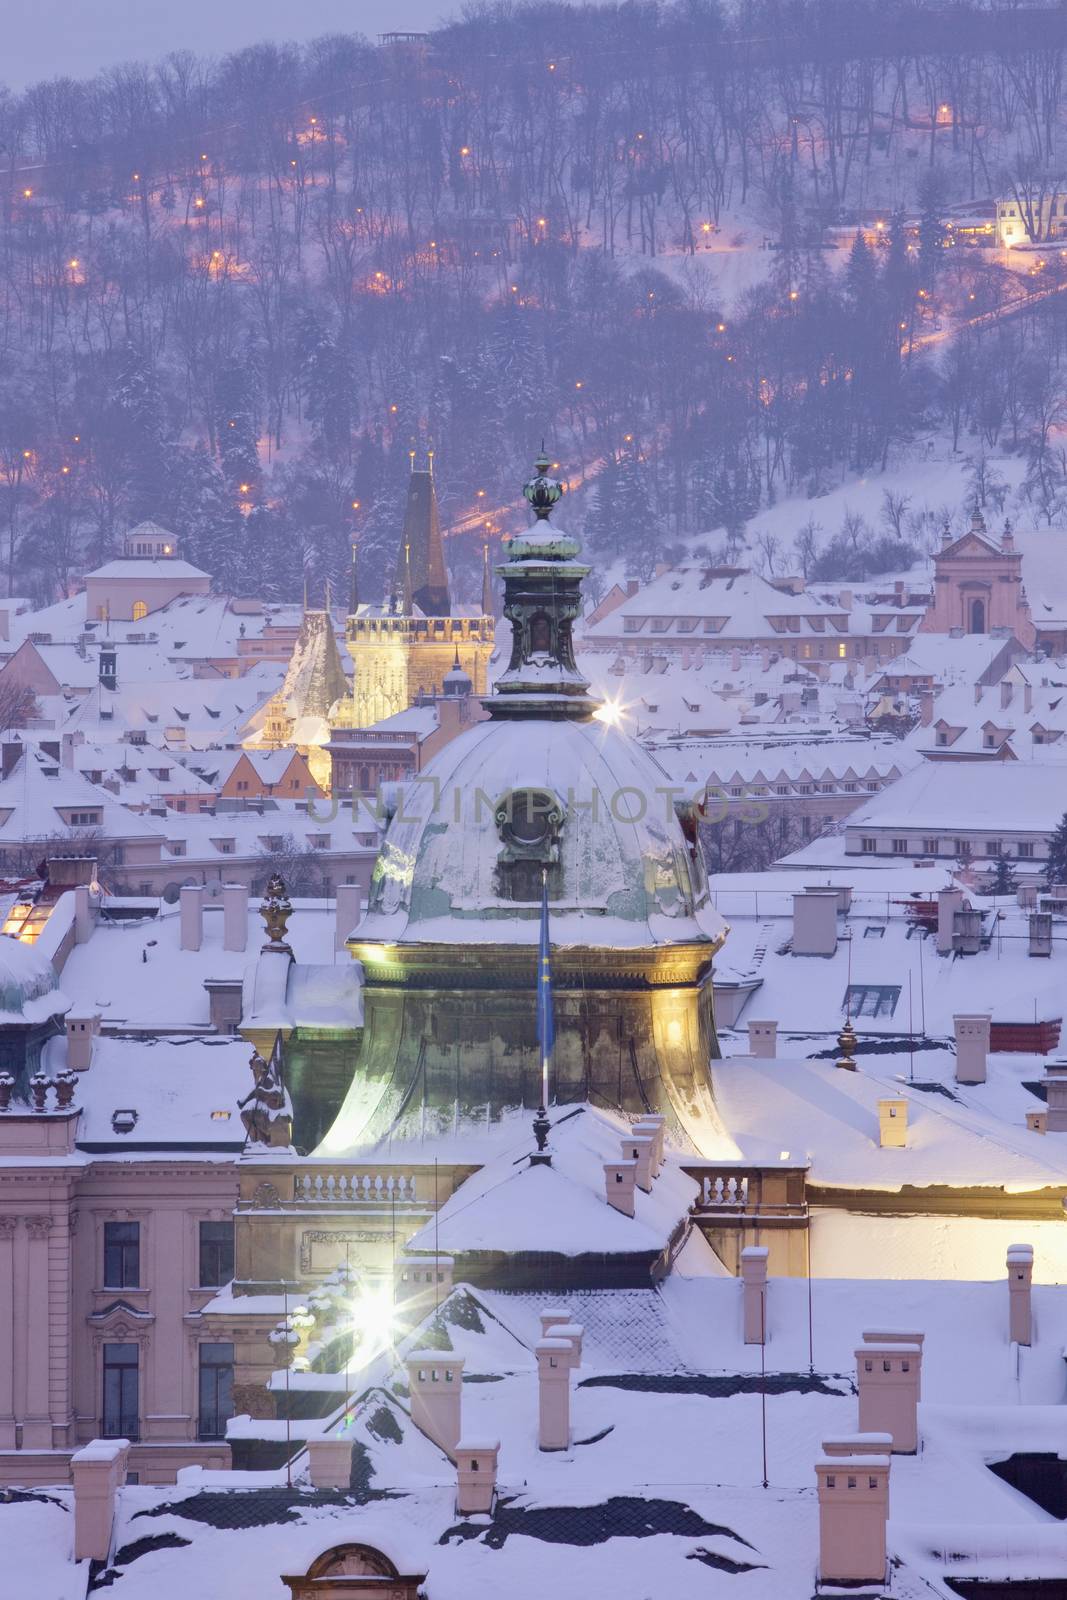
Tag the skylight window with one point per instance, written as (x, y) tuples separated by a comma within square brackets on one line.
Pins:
[(871, 999)]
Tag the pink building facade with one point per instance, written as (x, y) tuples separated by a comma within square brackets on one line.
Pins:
[(978, 587), (105, 1265)]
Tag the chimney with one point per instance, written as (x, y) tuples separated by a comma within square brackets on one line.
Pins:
[(637, 1147), (427, 1279), (436, 1383), (98, 1471), (844, 599), (754, 1290), (554, 1359), (1020, 1274), (349, 907), (551, 1319), (972, 1046), (1055, 1097), (83, 916), (858, 1444), (893, 1336), (815, 922), (234, 916), (1005, 695), (853, 1511), (926, 707), (67, 745), (556, 1323), (651, 1127), (82, 1028), (887, 1377), (109, 670), (978, 694), (735, 659), (892, 1124), (620, 1180), (330, 1462), (10, 751), (949, 901), (476, 1464), (192, 917), (763, 1039), (1028, 697)]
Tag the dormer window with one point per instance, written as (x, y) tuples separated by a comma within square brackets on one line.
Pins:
[(529, 822)]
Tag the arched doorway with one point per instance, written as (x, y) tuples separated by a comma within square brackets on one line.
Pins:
[(976, 616)]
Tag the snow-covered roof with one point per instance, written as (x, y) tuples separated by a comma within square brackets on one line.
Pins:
[(171, 567), (818, 1113), (185, 1091), (946, 796)]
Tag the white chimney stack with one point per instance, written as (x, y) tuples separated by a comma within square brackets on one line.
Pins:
[(476, 1465), (349, 907), (888, 1376), (815, 922), (234, 916), (754, 1280), (192, 916), (1020, 1277), (972, 1046), (763, 1039), (620, 1181), (893, 1124)]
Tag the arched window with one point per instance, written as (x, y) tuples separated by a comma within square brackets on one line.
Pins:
[(140, 609), (976, 623)]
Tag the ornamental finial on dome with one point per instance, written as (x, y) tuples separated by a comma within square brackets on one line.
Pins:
[(541, 491)]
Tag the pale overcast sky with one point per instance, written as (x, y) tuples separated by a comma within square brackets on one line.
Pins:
[(74, 38)]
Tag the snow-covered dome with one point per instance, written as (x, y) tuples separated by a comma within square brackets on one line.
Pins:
[(28, 992), (463, 854)]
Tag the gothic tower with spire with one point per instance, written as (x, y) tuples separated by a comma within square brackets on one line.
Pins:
[(403, 650)]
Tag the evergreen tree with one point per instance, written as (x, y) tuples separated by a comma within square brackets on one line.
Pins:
[(860, 275), (1002, 879), (931, 224), (237, 408), (1056, 869)]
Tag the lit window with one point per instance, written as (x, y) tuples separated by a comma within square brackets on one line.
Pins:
[(140, 609)]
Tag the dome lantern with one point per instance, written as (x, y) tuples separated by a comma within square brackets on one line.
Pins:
[(542, 598)]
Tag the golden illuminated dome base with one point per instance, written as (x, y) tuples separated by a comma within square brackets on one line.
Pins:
[(450, 1034)]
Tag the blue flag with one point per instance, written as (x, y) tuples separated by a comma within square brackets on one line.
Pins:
[(546, 1020)]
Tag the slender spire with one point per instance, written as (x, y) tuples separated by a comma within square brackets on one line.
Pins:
[(422, 535), (407, 601)]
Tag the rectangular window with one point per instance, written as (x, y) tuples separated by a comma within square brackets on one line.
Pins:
[(216, 1390), (992, 847), (871, 999), (900, 847), (121, 1401), (868, 846), (963, 848), (929, 847), (216, 1253), (122, 1255), (1026, 848)]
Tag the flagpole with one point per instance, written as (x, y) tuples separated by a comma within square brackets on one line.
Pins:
[(545, 1027)]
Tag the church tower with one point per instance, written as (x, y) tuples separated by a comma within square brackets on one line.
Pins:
[(404, 649)]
